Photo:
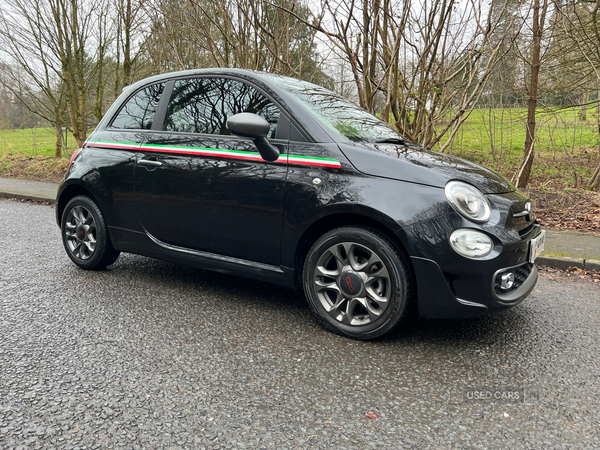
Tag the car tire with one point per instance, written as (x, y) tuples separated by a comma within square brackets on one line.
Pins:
[(85, 236), (357, 282)]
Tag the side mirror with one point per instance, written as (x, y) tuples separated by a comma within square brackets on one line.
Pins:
[(255, 127)]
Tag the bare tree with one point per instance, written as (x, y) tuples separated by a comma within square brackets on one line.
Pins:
[(538, 22), (251, 34), (429, 61), (31, 74), (130, 34), (581, 22), (69, 27), (52, 43)]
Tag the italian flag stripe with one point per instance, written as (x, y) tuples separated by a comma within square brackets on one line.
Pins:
[(219, 153), (123, 145)]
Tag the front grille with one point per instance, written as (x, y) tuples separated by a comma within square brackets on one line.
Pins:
[(521, 274), (526, 231), (521, 218)]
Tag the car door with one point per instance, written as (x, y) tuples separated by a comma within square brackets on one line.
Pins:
[(114, 149), (200, 188)]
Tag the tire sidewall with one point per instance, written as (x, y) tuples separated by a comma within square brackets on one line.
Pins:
[(397, 269)]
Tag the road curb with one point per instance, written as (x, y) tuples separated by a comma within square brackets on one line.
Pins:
[(564, 263), (592, 264), (560, 262), (37, 198)]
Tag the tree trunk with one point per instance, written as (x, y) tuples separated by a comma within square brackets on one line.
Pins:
[(127, 50), (58, 146), (595, 181), (538, 26), (584, 105)]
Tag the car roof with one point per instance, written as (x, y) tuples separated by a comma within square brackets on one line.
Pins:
[(244, 73)]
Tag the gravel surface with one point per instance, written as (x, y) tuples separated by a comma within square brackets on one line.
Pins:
[(150, 354)]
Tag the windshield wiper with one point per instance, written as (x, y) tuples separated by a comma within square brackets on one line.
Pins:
[(391, 141)]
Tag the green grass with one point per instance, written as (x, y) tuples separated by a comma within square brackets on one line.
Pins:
[(32, 142), (566, 147), (29, 154), (500, 134)]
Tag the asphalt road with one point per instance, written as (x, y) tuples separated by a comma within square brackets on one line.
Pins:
[(156, 355)]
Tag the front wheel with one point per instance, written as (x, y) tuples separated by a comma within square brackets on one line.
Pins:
[(357, 282), (85, 236)]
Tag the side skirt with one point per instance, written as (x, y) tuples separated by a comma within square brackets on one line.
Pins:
[(147, 245)]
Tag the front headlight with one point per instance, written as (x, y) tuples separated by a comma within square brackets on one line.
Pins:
[(471, 243), (468, 201)]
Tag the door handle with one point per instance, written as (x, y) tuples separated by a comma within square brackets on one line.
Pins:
[(150, 162)]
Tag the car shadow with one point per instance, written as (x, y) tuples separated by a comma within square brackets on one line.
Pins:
[(194, 279), (236, 291)]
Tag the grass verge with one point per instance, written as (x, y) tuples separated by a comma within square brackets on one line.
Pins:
[(29, 154), (38, 168)]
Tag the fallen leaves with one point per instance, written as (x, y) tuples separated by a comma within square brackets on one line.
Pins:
[(573, 273), (372, 416), (576, 210), (569, 223)]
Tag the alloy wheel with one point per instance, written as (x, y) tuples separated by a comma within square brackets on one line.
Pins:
[(352, 283), (80, 232)]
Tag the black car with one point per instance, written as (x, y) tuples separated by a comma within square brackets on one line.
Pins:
[(264, 176)]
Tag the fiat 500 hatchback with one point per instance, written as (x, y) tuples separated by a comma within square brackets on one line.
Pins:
[(268, 177)]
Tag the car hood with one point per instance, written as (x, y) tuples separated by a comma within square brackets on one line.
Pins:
[(419, 165)]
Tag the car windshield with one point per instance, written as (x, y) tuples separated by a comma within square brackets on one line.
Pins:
[(344, 118)]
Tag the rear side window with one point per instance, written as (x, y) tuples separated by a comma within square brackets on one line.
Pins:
[(203, 105), (138, 112)]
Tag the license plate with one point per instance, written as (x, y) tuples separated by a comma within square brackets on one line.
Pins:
[(536, 246)]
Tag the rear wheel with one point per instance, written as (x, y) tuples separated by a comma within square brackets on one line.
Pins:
[(85, 236), (357, 282)]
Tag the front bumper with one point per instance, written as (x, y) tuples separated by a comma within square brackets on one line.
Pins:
[(450, 286), (436, 300)]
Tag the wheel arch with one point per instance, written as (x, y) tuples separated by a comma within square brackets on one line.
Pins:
[(329, 222), (71, 191)]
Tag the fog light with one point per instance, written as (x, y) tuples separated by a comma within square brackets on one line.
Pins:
[(507, 280), (471, 243)]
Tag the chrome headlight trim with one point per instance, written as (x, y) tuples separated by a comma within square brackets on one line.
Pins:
[(468, 201)]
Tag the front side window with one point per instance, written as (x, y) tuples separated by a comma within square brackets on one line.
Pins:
[(138, 112), (203, 105)]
